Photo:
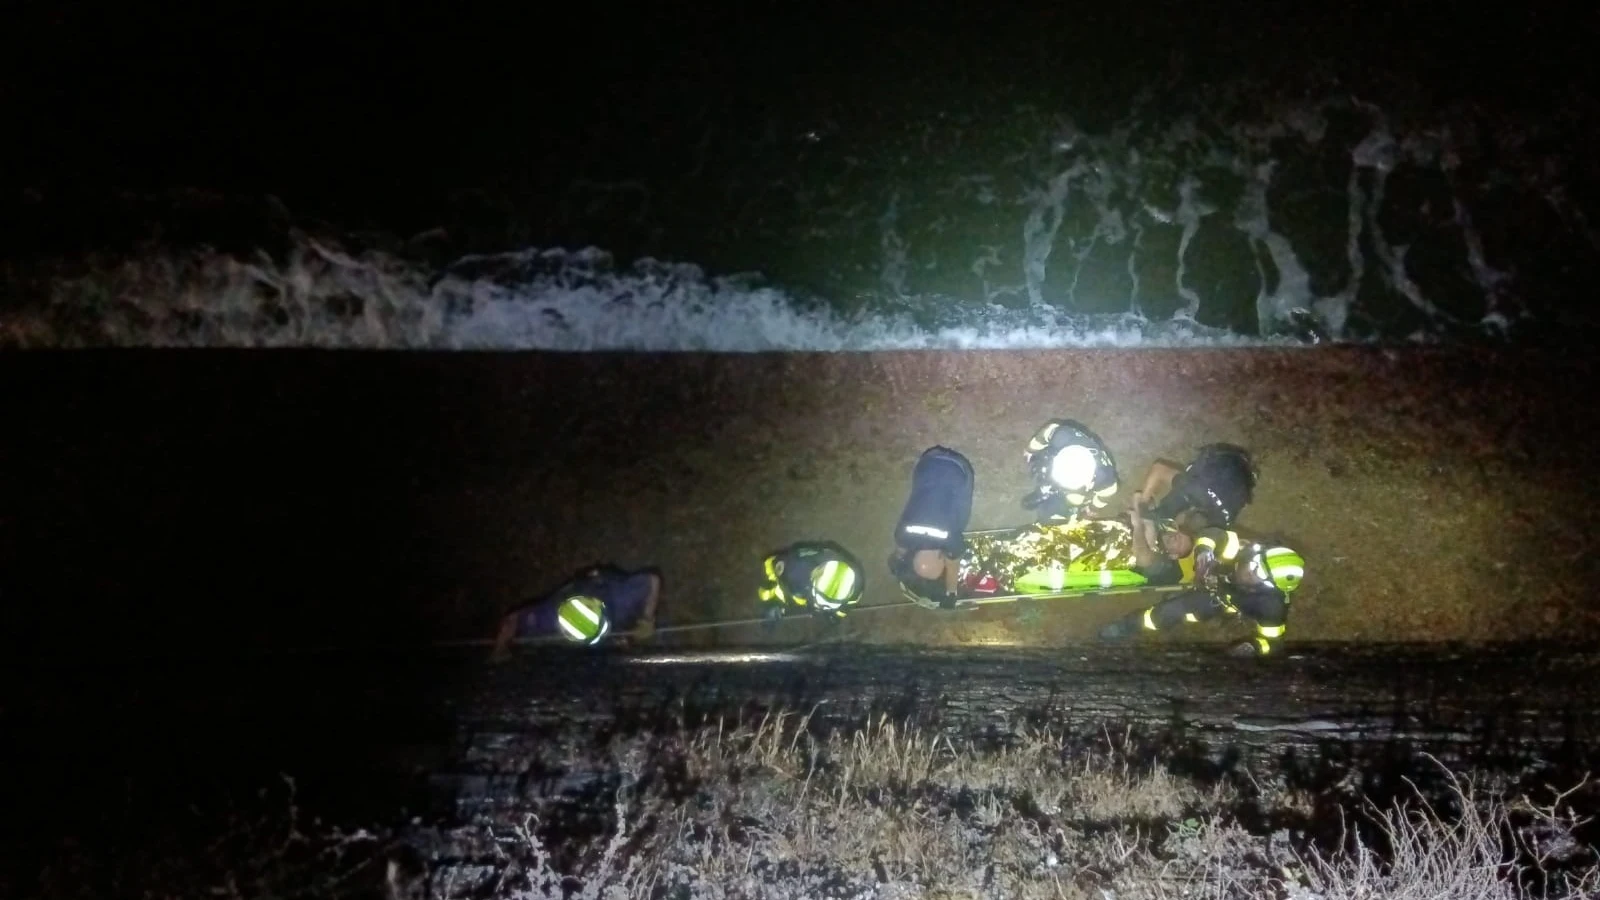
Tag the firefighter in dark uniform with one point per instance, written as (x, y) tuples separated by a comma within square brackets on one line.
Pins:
[(929, 539), (820, 579), (1073, 472), (1218, 485), (1231, 576)]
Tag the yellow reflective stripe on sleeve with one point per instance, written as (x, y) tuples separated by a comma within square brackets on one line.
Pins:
[(1271, 631), (1205, 541), (1149, 620), (1231, 548), (1190, 617), (1264, 645)]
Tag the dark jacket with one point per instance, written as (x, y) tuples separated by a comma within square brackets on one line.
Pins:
[(940, 505)]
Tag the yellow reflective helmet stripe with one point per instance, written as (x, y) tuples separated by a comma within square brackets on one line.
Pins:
[(582, 618), (1283, 568), (1041, 438), (834, 580)]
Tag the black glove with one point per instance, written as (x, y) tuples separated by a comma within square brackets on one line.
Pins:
[(773, 615), (1032, 500), (917, 598)]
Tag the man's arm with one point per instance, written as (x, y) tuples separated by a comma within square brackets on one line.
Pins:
[(1100, 503), (1158, 481), (1144, 552), (1148, 560)]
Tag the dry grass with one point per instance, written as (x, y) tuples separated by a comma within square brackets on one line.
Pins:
[(772, 810)]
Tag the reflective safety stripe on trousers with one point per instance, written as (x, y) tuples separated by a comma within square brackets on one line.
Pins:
[(928, 531)]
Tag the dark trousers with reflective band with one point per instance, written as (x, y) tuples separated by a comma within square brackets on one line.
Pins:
[(1269, 609)]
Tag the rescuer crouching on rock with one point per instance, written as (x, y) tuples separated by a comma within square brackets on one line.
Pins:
[(1218, 485), (1073, 472), (1232, 576), (598, 602), (819, 579), (929, 541)]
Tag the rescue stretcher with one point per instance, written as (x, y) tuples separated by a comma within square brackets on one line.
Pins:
[(1055, 560)]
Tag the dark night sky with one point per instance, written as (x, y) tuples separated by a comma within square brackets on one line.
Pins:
[(350, 97)]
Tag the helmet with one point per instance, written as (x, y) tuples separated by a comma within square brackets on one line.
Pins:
[(1280, 567), (1074, 468), (583, 619), (835, 583)]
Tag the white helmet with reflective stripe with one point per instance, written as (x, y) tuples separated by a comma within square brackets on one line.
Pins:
[(583, 619), (1073, 468), (1280, 567), (834, 584)]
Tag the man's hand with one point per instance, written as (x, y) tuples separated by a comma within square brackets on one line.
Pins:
[(773, 615), (953, 600), (1136, 505)]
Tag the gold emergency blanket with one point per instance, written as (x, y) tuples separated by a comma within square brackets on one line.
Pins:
[(1080, 545)]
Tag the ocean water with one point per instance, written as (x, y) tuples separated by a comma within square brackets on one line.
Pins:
[(1182, 211)]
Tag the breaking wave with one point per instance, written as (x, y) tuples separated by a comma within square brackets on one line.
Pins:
[(320, 296)]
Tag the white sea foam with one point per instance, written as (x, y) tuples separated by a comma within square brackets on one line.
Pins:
[(536, 299)]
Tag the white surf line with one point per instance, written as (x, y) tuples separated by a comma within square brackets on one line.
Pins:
[(1303, 725), (725, 657)]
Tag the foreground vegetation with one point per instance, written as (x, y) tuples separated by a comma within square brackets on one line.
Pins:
[(772, 810)]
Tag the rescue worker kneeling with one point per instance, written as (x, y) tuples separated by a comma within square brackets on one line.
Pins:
[(588, 608), (1218, 485), (819, 579), (1073, 472), (1232, 576), (929, 537)]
